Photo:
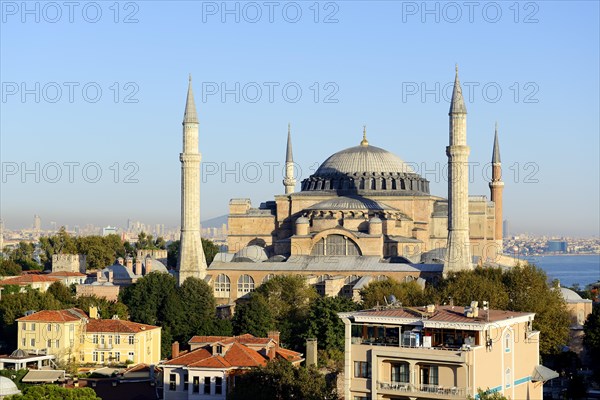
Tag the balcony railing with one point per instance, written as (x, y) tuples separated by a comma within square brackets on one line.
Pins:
[(105, 346), (422, 388), (370, 342)]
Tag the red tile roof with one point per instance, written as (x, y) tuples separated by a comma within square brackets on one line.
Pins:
[(27, 280), (238, 353), (69, 315), (246, 339), (117, 325), (65, 273)]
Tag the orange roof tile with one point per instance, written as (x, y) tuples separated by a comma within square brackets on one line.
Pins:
[(27, 280), (237, 355), (69, 315), (65, 273), (117, 325)]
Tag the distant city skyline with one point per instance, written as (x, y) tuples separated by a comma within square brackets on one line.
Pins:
[(105, 161)]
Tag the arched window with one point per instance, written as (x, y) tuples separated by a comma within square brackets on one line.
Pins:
[(268, 278), (351, 279), (336, 245), (507, 342), (409, 278), (222, 286), (245, 285), (381, 278)]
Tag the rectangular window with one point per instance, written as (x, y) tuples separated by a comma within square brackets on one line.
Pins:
[(196, 384), (95, 356), (117, 339), (102, 357), (185, 381), (429, 375), (207, 385), (400, 373), (362, 369), (32, 342), (49, 327), (23, 326), (110, 339), (95, 339), (130, 356), (172, 382), (82, 356), (102, 339), (57, 343), (71, 328), (218, 385), (117, 356), (23, 342), (33, 326), (49, 344), (131, 339)]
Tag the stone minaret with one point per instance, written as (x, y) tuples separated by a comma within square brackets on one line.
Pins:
[(191, 260), (496, 188), (289, 182), (458, 254)]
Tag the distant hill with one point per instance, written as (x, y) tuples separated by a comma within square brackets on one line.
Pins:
[(215, 222)]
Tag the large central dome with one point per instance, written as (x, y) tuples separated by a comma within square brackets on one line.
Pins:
[(366, 169), (363, 159)]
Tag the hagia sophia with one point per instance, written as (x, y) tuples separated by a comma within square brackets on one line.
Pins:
[(363, 215)]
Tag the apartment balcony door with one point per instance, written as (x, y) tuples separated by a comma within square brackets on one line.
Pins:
[(429, 375)]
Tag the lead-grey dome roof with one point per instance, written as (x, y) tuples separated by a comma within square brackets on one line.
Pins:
[(350, 203), (367, 170), (363, 159)]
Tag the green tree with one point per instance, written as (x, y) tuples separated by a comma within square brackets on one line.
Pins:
[(98, 255), (60, 243), (280, 380), (54, 392), (528, 291), (591, 338), (173, 253), (62, 293), (9, 268), (480, 284), (253, 316), (210, 250), (289, 299), (23, 255), (325, 325), (407, 293), (199, 318), (488, 395)]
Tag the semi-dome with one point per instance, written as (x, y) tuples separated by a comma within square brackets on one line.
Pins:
[(366, 168), (7, 387)]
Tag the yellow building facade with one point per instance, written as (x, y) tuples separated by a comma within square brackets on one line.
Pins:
[(71, 335), (441, 352)]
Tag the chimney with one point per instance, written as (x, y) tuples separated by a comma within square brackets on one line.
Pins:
[(175, 350), (275, 336), (110, 276), (93, 312), (138, 266), (129, 263), (148, 264), (311, 352)]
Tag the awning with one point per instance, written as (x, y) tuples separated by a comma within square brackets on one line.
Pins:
[(543, 374), (44, 375)]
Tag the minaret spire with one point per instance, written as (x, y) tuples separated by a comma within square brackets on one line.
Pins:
[(364, 141), (496, 153), (191, 261), (496, 188), (190, 114), (457, 104), (289, 182), (458, 252)]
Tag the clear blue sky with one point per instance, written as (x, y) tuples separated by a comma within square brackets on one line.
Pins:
[(543, 56)]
